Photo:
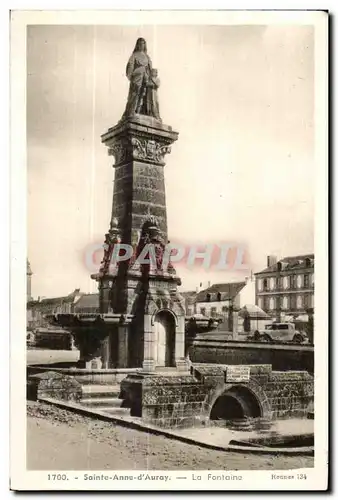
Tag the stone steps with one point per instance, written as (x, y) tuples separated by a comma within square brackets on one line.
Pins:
[(102, 402), (100, 391), (104, 398)]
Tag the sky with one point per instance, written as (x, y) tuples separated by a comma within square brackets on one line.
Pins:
[(242, 170)]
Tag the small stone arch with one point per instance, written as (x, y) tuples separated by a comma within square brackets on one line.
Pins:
[(164, 324), (250, 398), (164, 310)]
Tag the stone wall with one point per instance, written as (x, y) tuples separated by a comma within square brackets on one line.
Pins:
[(281, 357), (173, 401), (187, 400), (53, 385)]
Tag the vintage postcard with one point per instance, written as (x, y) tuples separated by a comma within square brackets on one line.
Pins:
[(169, 246)]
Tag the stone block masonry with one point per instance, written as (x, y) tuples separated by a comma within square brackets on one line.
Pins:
[(281, 357), (188, 400)]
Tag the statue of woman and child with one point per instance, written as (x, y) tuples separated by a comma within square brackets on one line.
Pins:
[(144, 82)]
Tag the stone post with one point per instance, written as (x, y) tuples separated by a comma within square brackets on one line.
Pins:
[(235, 311), (149, 345), (106, 352), (180, 359), (123, 331)]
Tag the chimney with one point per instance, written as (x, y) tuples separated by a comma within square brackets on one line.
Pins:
[(271, 260), (209, 284)]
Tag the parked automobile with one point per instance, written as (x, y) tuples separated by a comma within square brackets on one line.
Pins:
[(30, 338), (49, 338), (279, 332)]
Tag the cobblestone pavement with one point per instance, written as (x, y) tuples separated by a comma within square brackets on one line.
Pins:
[(61, 440)]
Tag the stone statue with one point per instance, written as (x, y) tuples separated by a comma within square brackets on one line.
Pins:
[(144, 82), (151, 107), (111, 238)]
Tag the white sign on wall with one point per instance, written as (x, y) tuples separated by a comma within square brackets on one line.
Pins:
[(238, 373)]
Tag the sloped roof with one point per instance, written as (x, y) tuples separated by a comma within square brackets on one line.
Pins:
[(189, 296), (288, 263), (56, 300), (253, 311), (88, 301), (220, 291)]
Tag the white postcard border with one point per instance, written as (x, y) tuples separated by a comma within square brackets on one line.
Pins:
[(21, 479)]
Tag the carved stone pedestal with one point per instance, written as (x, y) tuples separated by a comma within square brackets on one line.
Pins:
[(139, 145), (155, 335)]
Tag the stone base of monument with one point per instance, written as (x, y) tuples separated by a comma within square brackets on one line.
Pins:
[(169, 398)]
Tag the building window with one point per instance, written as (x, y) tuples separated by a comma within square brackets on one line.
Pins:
[(266, 303), (272, 283), (286, 282), (292, 302), (293, 282), (203, 311), (306, 281), (259, 285), (285, 303), (260, 302), (265, 285), (213, 312), (306, 301), (272, 305), (224, 309), (299, 302), (312, 301), (299, 281), (208, 297)]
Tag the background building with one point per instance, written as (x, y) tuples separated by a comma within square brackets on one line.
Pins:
[(87, 303), (37, 310), (285, 288), (190, 302), (216, 300)]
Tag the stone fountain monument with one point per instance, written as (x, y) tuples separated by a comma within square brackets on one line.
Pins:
[(137, 340), (142, 316)]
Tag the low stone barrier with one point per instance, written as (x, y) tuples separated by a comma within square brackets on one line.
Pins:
[(281, 357)]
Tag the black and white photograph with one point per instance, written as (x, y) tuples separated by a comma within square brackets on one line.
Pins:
[(171, 276)]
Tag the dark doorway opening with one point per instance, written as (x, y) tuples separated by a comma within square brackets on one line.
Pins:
[(236, 403), (165, 329)]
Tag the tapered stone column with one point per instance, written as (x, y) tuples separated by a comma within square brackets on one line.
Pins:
[(139, 145)]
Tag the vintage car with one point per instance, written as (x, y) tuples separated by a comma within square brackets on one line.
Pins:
[(279, 332)]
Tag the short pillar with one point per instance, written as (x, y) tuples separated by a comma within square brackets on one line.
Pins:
[(122, 361), (181, 362), (149, 345), (235, 324), (106, 352)]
